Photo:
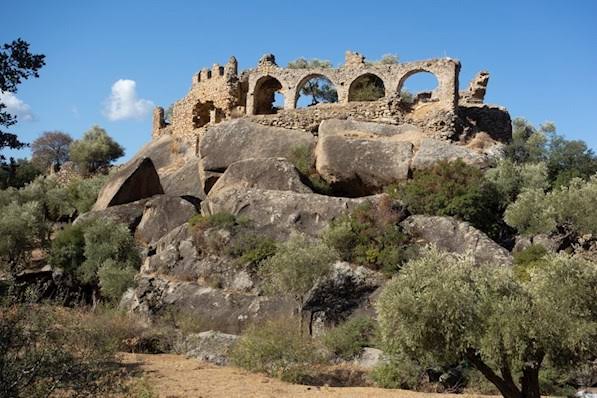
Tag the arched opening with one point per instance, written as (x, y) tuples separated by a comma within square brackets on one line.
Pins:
[(367, 87), (315, 89), (202, 113), (267, 96), (418, 86)]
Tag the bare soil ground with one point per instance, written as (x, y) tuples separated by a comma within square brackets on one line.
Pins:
[(174, 376)]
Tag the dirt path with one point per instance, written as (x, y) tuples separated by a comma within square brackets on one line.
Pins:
[(174, 376)]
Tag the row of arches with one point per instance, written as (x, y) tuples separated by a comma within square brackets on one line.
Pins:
[(313, 89)]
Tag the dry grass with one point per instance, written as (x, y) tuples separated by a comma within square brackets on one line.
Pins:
[(174, 376)]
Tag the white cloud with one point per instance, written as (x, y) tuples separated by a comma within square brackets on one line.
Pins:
[(16, 107), (123, 103)]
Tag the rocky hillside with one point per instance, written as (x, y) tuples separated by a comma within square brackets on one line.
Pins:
[(273, 183)]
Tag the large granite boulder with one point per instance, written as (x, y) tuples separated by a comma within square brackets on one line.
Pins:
[(209, 346), (179, 255), (334, 297), (360, 158), (162, 214), (267, 173), (278, 213), (238, 139), (216, 309), (129, 214), (134, 181), (456, 236), (159, 150), (176, 163), (184, 181), (231, 141), (361, 166), (432, 151)]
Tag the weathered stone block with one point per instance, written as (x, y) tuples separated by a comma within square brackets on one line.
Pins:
[(235, 140), (269, 173), (357, 167), (134, 181)]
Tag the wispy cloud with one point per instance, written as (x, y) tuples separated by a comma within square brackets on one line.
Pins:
[(124, 104), (16, 107)]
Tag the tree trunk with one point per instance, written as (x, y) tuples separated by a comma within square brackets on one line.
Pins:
[(506, 387), (300, 315), (530, 381)]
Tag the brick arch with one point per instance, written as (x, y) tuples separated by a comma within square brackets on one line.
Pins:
[(263, 91), (360, 76), (413, 72), (308, 76)]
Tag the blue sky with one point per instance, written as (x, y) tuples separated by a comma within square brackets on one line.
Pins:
[(542, 55)]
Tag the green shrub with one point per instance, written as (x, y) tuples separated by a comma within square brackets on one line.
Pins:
[(57, 201), (82, 193), (276, 348), (398, 373), (295, 268), (453, 189), (370, 236), (108, 244), (22, 228), (97, 252), (115, 279), (570, 209), (252, 249), (17, 173), (347, 340), (68, 248), (528, 259), (510, 179), (303, 159)]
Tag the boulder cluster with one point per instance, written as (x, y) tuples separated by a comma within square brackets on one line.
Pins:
[(251, 171)]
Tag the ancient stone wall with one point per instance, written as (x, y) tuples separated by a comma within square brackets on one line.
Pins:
[(214, 96), (290, 81), (437, 122), (221, 93)]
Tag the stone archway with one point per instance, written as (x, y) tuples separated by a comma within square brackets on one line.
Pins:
[(366, 87), (428, 92), (264, 95), (317, 85)]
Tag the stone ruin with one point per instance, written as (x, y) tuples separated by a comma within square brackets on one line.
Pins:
[(221, 93)]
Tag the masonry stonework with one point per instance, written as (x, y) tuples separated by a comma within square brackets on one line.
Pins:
[(221, 93)]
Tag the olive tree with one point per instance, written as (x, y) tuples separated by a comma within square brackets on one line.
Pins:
[(295, 268), (570, 209), (95, 151), (23, 228), (442, 308)]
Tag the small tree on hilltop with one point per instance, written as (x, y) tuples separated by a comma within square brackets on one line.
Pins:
[(442, 308), (295, 268), (51, 149), (95, 151)]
